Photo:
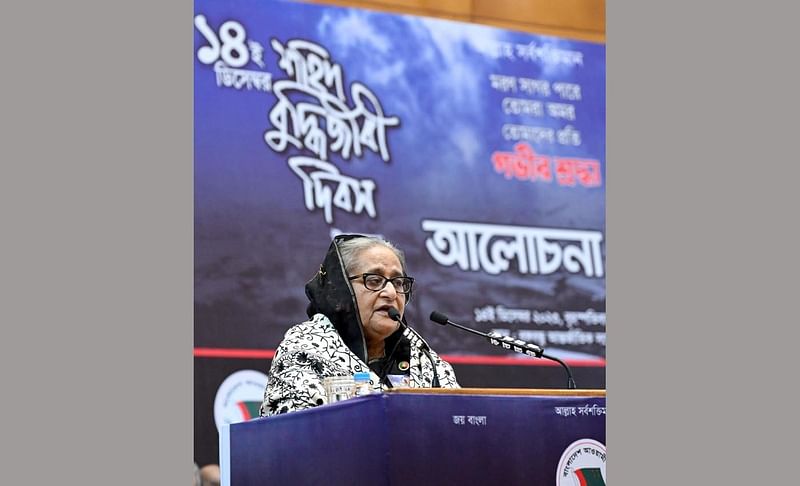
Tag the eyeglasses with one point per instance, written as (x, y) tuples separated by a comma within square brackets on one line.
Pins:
[(375, 282)]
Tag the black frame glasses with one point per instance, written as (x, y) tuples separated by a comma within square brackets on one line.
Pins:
[(371, 282)]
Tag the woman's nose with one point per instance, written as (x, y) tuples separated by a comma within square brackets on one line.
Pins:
[(390, 290)]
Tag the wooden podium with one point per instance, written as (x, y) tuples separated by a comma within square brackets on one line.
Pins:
[(426, 436)]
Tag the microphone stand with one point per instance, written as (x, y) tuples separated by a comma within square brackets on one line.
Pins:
[(570, 381)]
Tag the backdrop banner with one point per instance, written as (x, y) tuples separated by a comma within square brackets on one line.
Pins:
[(478, 151)]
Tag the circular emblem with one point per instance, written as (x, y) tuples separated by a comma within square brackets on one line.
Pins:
[(239, 397), (403, 365), (583, 463)]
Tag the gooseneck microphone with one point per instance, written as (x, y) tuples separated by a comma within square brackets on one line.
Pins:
[(507, 342), (394, 314)]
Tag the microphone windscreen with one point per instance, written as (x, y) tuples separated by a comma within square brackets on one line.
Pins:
[(439, 318), (394, 314)]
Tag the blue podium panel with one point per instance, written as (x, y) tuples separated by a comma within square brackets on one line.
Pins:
[(406, 439)]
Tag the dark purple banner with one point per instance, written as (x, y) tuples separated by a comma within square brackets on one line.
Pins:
[(480, 152)]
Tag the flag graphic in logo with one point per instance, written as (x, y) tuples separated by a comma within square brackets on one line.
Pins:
[(249, 409), (590, 476)]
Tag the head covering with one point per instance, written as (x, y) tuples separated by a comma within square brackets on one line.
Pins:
[(329, 292)]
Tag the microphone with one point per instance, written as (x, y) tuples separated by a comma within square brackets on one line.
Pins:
[(394, 314), (506, 342)]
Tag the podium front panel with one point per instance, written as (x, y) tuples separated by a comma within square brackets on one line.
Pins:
[(406, 439)]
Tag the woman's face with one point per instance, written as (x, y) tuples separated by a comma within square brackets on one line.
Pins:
[(373, 306)]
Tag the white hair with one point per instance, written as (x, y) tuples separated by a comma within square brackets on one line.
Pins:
[(350, 249)]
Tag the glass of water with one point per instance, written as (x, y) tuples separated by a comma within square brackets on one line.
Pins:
[(338, 388)]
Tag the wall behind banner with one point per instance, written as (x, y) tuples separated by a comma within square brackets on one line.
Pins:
[(573, 19), (232, 347)]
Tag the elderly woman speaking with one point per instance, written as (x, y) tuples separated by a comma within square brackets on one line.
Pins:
[(357, 299)]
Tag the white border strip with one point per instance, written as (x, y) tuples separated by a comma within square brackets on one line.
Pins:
[(225, 455)]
